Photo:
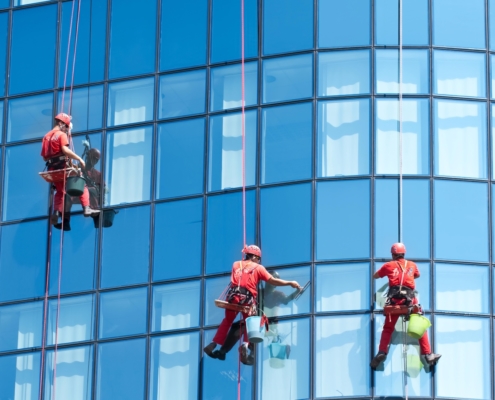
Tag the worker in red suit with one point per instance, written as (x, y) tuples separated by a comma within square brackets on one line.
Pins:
[(56, 152), (401, 274), (243, 290)]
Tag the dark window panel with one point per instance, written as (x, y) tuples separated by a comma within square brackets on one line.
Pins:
[(87, 108), (4, 26)]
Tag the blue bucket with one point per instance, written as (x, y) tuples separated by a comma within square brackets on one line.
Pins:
[(278, 350), (254, 330)]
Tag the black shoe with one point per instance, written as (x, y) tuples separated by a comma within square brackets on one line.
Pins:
[(245, 358), (66, 225), (219, 354), (378, 359), (209, 350), (432, 358)]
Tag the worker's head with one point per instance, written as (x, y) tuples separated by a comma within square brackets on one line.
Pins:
[(62, 120), (398, 250), (93, 158), (252, 252)]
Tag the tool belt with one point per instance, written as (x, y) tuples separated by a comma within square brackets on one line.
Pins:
[(242, 295), (400, 295), (58, 162)]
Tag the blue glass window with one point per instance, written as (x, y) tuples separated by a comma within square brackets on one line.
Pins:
[(213, 315), (343, 219), (121, 370), (20, 326), (342, 338), (287, 78), (287, 143), (457, 23), (174, 367), (4, 26), (344, 73), (461, 226), (24, 2), (131, 53), (29, 117), (344, 23), (226, 86), (130, 101), (34, 37), (344, 138), (491, 23), (125, 256), (20, 376), (459, 73), (224, 230), (287, 28), (123, 312), (183, 36), (225, 169), (22, 164), (460, 139), (178, 225), (226, 30), (286, 234), (415, 136), (415, 71), (182, 94), (87, 107), (181, 158), (128, 165), (176, 306)]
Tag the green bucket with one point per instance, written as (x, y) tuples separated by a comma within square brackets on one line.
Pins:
[(417, 326), (75, 186)]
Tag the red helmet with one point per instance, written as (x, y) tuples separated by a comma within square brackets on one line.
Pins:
[(64, 118), (398, 248), (252, 249)]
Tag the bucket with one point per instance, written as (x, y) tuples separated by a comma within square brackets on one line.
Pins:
[(75, 186), (254, 330), (108, 216), (278, 350), (417, 326)]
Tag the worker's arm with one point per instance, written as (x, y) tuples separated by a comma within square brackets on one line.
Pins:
[(69, 153), (280, 282), (376, 276)]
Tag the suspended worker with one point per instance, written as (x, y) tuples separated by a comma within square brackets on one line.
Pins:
[(243, 290), (56, 152), (401, 274)]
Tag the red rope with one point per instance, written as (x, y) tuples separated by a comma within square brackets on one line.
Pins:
[(67, 56)]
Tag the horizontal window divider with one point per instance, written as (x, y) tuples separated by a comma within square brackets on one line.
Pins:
[(461, 49), (460, 314), (404, 47), (133, 125), (232, 62), (343, 178), (331, 49), (120, 288), (30, 219), (185, 197), (286, 183), (343, 261), (155, 334), (288, 54), (230, 190), (232, 110), (341, 97), (476, 263), (287, 103), (177, 280), (121, 338), (405, 96), (461, 98), (182, 118), (458, 179), (343, 313)]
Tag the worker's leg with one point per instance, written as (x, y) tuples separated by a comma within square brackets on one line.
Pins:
[(59, 196), (232, 337), (224, 327), (84, 198), (388, 329)]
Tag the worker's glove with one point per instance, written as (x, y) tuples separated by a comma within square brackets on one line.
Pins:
[(85, 143)]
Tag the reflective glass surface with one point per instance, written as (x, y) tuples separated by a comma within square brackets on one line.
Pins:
[(4, 25), (344, 73), (178, 225), (130, 101), (87, 107), (343, 219), (20, 376), (491, 23), (287, 78), (21, 326), (287, 143), (286, 239), (214, 288), (343, 138)]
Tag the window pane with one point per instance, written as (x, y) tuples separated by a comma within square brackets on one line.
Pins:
[(182, 94), (123, 312), (415, 71), (342, 338), (20, 376), (214, 288), (344, 73), (74, 374), (121, 370), (20, 326), (22, 273), (131, 53), (460, 138), (34, 35), (458, 338), (287, 143), (226, 30), (344, 23), (4, 26), (176, 306), (224, 231), (288, 28), (415, 136), (457, 23), (178, 225), (225, 161), (491, 23), (461, 288), (74, 319), (275, 364), (29, 117), (459, 73), (226, 86), (174, 367), (343, 219), (181, 158), (342, 287), (279, 232), (344, 138), (130, 101), (125, 257), (183, 34), (128, 168), (287, 78), (461, 223), (87, 107)]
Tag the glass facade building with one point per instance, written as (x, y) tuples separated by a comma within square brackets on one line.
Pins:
[(157, 88)]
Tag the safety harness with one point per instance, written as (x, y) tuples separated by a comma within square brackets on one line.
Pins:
[(239, 294)]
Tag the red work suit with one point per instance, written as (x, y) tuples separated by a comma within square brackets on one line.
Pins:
[(248, 274)]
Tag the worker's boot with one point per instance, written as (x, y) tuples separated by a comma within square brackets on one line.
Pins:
[(378, 359), (432, 358), (219, 354), (66, 225), (245, 358), (209, 350), (89, 212)]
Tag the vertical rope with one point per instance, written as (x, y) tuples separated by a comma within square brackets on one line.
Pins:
[(61, 108), (243, 126), (400, 121)]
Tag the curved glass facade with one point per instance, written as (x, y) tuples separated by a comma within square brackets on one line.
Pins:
[(157, 89)]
